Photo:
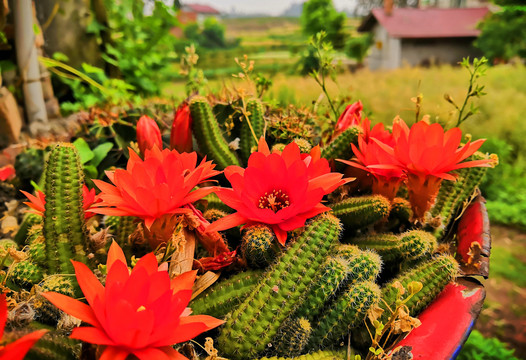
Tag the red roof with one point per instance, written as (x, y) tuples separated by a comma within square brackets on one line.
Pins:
[(427, 23), (201, 9)]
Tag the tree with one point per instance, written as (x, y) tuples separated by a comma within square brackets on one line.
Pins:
[(363, 7), (320, 15), (504, 33)]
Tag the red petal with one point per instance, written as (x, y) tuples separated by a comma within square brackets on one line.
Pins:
[(281, 235), (73, 307), (227, 222), (18, 349), (114, 353), (3, 313), (91, 335), (263, 146), (88, 282), (185, 281), (148, 262), (115, 253)]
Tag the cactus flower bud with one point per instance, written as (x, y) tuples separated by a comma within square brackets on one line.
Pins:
[(148, 134), (181, 135)]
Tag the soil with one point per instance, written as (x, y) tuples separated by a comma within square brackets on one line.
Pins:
[(504, 312)]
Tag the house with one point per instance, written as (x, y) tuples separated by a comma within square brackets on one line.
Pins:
[(420, 36), (197, 13)]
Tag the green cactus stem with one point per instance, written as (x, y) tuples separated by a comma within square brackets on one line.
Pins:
[(325, 285), (362, 265), (64, 226), (208, 134), (359, 212), (347, 311), (45, 311), (434, 276), (453, 194), (292, 337), (223, 297), (318, 355), (304, 145), (55, 346), (279, 147), (30, 219), (122, 227), (401, 210), (212, 215), (255, 322), (247, 142), (340, 147), (214, 202), (259, 246), (25, 274)]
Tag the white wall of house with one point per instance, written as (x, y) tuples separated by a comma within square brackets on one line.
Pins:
[(436, 51), (386, 50)]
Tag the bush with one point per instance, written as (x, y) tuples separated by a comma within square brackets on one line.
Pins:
[(357, 47), (212, 36), (480, 348), (320, 15)]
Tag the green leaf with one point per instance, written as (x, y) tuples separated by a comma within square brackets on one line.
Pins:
[(35, 186), (91, 171), (84, 151), (100, 153)]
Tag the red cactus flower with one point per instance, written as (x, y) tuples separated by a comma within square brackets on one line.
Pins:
[(161, 184), (7, 173), (351, 116), (428, 154), (142, 313), (281, 190), (181, 135), (387, 173), (18, 349), (148, 134), (38, 203)]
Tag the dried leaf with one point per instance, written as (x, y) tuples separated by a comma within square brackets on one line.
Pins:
[(374, 313), (204, 282), (404, 322)]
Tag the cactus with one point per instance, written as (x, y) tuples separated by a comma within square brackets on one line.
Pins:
[(340, 147), (215, 203), (247, 142), (208, 134), (214, 215), (347, 311), (37, 246), (332, 276), (55, 346), (259, 246), (318, 355), (359, 212), (255, 322), (434, 276), (362, 265), (278, 147), (45, 311), (224, 296), (25, 274), (121, 228), (64, 227), (453, 194), (293, 335), (304, 145), (30, 219), (401, 210)]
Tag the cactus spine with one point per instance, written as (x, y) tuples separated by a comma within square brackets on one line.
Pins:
[(293, 335), (255, 322), (340, 147), (359, 212), (258, 246), (362, 265), (208, 134), (64, 228), (347, 311), (213, 202), (25, 274), (224, 296), (318, 355), (246, 138)]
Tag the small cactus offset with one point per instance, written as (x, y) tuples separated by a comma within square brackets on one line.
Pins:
[(359, 212), (26, 274), (212, 215), (317, 355), (213, 202), (55, 346), (332, 276), (64, 227), (304, 145), (293, 335), (250, 132), (30, 219), (340, 147), (224, 296), (255, 322), (401, 210), (259, 246), (347, 311), (208, 134), (45, 311), (121, 228)]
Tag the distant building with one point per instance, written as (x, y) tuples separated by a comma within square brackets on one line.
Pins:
[(421, 36), (197, 13)]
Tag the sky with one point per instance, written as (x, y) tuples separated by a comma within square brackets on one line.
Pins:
[(271, 7)]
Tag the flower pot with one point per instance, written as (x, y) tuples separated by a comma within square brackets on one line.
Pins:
[(448, 321)]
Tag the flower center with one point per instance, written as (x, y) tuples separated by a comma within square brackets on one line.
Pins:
[(275, 200)]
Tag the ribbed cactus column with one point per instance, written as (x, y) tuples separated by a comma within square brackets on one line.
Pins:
[(246, 138), (359, 212), (255, 322), (340, 147), (64, 228), (208, 134)]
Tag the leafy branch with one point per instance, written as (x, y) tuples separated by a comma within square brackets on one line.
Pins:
[(476, 70)]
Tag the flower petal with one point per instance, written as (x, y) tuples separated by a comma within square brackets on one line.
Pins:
[(91, 335), (72, 307), (17, 350)]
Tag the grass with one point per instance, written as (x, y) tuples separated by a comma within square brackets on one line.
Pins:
[(506, 264)]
